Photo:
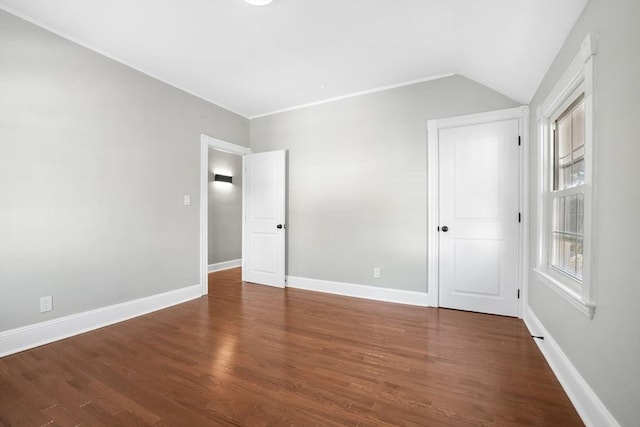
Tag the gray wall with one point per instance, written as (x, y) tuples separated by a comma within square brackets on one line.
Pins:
[(225, 208), (605, 350), (358, 179), (94, 161)]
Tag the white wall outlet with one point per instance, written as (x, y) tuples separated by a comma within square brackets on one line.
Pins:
[(46, 304), (376, 272), (187, 200)]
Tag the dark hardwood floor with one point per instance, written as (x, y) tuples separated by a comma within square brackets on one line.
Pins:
[(250, 355)]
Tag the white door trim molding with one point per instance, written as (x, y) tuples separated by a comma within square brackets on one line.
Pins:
[(433, 197), (207, 142)]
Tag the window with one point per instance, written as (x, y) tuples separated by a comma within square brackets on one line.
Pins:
[(565, 122), (567, 217)]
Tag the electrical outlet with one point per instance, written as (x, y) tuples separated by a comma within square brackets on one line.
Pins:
[(46, 304), (187, 200), (376, 272)]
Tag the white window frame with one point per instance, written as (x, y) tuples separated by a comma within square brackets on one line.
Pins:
[(577, 79)]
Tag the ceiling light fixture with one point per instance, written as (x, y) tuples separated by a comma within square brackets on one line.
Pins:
[(258, 2)]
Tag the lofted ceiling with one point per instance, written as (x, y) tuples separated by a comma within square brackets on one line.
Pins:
[(256, 60)]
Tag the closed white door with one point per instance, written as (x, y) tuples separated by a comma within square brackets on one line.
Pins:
[(478, 218), (264, 192)]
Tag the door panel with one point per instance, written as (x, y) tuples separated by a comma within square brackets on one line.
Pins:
[(264, 259), (264, 209), (479, 183)]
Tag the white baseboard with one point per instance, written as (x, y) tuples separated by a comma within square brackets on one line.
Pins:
[(225, 265), (586, 401), (26, 337), (359, 291)]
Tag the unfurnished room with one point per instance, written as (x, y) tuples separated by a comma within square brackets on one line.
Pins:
[(319, 213)]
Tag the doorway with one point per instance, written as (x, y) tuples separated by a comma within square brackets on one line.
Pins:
[(208, 143), (224, 210), (477, 197), (263, 213)]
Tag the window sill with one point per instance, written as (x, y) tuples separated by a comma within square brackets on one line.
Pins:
[(584, 307)]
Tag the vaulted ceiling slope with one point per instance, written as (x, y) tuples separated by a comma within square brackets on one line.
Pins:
[(256, 60)]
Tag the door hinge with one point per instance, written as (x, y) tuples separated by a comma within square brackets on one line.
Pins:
[(519, 217), (519, 140), (518, 293)]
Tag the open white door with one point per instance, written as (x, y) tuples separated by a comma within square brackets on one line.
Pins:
[(264, 193)]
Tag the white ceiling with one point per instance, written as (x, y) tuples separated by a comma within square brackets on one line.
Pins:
[(256, 60)]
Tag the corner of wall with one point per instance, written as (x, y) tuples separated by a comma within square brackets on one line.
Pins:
[(589, 406)]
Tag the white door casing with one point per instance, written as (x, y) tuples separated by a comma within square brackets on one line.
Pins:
[(476, 179), (264, 228)]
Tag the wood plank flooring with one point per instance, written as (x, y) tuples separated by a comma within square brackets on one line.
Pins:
[(250, 355)]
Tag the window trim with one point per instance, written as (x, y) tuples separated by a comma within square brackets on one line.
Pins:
[(577, 79)]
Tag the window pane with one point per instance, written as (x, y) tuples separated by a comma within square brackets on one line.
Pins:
[(580, 223), (556, 250), (579, 252), (578, 127), (569, 135), (564, 139), (568, 250), (571, 214), (558, 214), (577, 135), (567, 234), (567, 174), (578, 173), (563, 152)]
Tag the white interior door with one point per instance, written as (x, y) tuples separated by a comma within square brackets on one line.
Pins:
[(264, 192), (478, 218)]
